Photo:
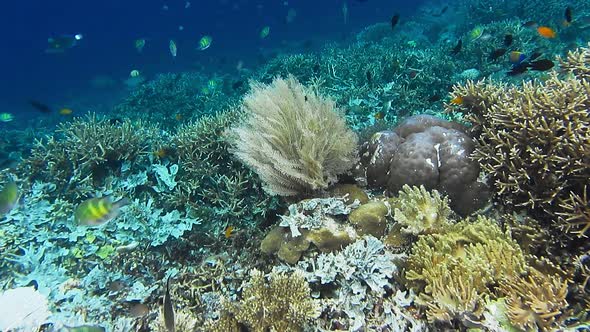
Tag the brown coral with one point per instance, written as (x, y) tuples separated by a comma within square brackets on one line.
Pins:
[(533, 140), (420, 211), (455, 271), (282, 304), (534, 302)]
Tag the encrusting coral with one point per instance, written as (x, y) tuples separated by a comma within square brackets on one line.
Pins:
[(294, 139), (533, 140), (283, 303)]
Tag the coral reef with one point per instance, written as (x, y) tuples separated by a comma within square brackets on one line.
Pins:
[(425, 150), (293, 138), (532, 141)]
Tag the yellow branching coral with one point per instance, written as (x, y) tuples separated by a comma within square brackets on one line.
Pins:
[(533, 302), (456, 271), (420, 211), (533, 140), (282, 304)]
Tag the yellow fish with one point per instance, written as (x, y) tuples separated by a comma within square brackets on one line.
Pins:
[(229, 230), (98, 211), (8, 197)]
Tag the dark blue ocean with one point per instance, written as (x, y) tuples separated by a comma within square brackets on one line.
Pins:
[(109, 29)]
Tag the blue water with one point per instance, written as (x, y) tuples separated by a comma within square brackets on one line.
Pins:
[(110, 28)]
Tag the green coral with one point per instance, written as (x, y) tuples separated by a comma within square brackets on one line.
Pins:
[(420, 211), (457, 270), (281, 304)]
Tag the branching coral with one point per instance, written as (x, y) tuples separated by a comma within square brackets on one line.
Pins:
[(86, 150), (210, 180), (293, 138), (534, 302), (458, 269), (420, 211), (533, 141), (281, 304)]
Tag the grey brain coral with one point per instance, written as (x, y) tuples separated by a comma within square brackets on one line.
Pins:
[(425, 150)]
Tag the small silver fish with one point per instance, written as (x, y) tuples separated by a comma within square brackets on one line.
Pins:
[(168, 309)]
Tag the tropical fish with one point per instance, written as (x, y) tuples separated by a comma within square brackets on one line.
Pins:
[(530, 24), (40, 106), (508, 39), (476, 32), (59, 44), (229, 230), (394, 21), (139, 44), (98, 211), (6, 117), (172, 47), (568, 16), (168, 309), (8, 197), (134, 73), (458, 100), (541, 65), (457, 47), (379, 115), (495, 54), (212, 84), (264, 32), (345, 12), (516, 57), (518, 69), (205, 42), (65, 111), (546, 32), (291, 14)]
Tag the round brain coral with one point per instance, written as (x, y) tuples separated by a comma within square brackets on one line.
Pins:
[(425, 150)]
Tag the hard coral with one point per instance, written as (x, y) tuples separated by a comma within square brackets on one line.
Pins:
[(456, 270), (281, 304), (534, 302), (420, 211), (293, 138), (425, 150), (86, 150), (533, 140)]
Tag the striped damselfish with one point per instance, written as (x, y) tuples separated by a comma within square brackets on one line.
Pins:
[(98, 211)]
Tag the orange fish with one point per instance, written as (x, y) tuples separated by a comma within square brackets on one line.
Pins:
[(546, 32), (229, 230), (457, 100), (66, 111), (161, 153)]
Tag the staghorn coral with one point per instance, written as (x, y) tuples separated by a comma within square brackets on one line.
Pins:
[(293, 138), (85, 151), (455, 271), (533, 141), (535, 301), (210, 180), (420, 211), (281, 304)]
